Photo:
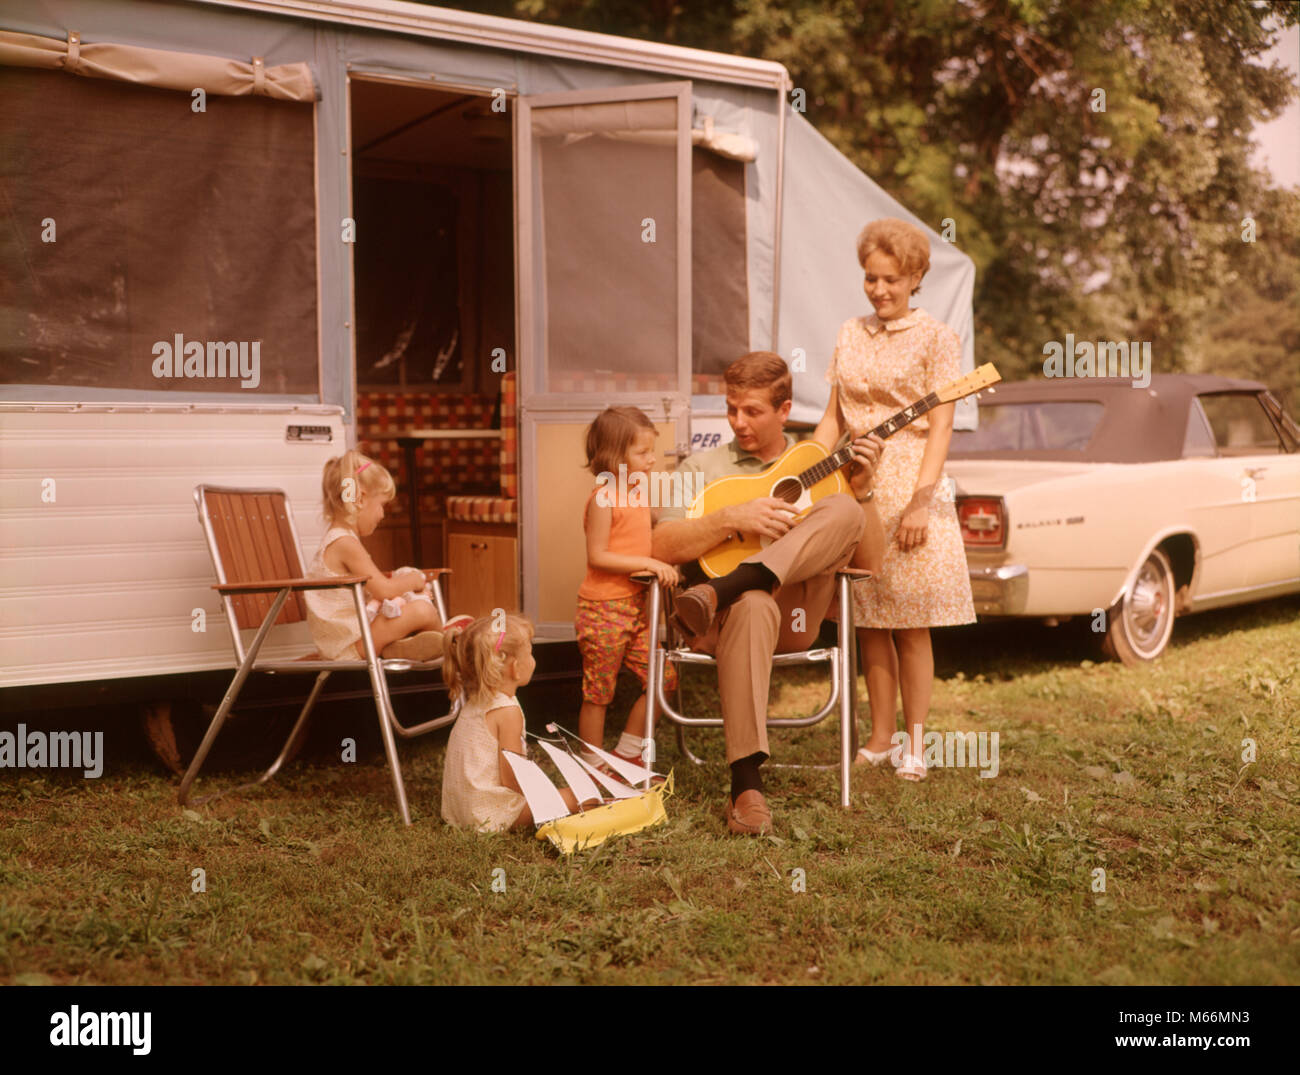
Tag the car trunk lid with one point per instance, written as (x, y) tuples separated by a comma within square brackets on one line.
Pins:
[(997, 477)]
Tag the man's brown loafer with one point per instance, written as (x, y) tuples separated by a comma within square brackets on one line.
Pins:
[(749, 815), (694, 609)]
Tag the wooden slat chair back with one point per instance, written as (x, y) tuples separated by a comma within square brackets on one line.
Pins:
[(255, 540), (256, 555)]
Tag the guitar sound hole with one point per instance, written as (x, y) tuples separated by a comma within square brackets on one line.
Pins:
[(787, 489)]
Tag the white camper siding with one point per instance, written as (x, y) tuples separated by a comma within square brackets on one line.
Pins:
[(102, 580)]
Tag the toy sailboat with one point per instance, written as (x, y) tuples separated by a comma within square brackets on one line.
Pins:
[(621, 809)]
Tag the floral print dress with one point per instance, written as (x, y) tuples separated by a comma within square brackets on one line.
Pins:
[(880, 367)]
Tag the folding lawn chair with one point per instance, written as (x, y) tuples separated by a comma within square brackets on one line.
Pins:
[(842, 659), (255, 552)]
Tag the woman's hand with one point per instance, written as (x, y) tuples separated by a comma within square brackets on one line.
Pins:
[(912, 528)]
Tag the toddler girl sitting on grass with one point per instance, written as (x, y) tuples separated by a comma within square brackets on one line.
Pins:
[(485, 666)]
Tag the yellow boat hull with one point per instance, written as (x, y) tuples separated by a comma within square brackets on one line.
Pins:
[(591, 828)]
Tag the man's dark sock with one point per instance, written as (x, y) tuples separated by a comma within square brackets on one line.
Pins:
[(745, 577), (746, 775)]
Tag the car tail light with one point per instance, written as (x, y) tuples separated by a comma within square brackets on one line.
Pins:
[(983, 520)]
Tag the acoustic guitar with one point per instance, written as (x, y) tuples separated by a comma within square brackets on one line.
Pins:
[(806, 472)]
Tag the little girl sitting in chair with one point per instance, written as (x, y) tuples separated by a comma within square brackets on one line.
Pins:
[(355, 490)]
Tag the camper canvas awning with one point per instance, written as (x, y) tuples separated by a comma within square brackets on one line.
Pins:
[(185, 71)]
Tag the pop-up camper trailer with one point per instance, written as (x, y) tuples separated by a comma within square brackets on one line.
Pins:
[(242, 235)]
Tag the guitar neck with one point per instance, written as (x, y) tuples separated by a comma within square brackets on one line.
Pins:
[(886, 429)]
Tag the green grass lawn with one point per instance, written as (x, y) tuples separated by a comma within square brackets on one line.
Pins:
[(1137, 773)]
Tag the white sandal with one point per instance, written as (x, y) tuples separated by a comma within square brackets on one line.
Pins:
[(913, 769), (870, 757)]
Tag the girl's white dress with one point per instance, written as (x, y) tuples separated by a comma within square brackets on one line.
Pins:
[(331, 614), (473, 796)]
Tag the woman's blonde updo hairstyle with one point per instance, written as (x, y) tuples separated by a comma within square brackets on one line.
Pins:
[(903, 242), (474, 657), (346, 477)]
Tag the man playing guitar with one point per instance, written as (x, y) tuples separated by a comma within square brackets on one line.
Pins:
[(748, 615)]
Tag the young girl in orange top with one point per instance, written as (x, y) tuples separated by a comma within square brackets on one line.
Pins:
[(611, 622)]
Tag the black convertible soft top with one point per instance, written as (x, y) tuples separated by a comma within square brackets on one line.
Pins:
[(1140, 425)]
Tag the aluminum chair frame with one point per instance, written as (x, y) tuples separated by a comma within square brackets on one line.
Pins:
[(842, 659), (282, 588)]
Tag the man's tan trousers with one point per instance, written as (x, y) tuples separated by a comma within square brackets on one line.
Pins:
[(758, 625)]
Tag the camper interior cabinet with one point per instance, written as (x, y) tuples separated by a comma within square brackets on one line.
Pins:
[(483, 558)]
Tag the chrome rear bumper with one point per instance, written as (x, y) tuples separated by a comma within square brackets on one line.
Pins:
[(999, 591)]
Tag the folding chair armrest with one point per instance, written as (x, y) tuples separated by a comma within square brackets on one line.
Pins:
[(645, 578), (272, 585), (433, 576), (855, 573)]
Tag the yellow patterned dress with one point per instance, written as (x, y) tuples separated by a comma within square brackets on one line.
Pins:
[(880, 367)]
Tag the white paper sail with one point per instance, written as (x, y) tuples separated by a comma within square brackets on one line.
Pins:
[(544, 800), (578, 780), (630, 771), (619, 791)]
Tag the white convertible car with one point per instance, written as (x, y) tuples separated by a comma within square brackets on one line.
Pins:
[(1129, 505)]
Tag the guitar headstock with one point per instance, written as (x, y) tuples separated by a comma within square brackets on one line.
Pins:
[(973, 382)]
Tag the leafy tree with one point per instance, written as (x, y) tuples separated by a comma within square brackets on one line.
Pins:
[(1255, 329)]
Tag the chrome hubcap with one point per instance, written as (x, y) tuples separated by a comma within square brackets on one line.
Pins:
[(1146, 612)]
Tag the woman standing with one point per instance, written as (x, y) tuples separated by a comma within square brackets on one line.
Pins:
[(882, 364)]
